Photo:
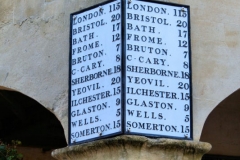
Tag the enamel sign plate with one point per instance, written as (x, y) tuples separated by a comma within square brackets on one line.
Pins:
[(130, 71), (158, 81), (95, 73)]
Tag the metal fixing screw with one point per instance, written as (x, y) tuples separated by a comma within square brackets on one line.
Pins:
[(186, 136), (100, 8), (128, 130), (129, 1), (74, 17), (100, 134), (74, 141), (183, 9)]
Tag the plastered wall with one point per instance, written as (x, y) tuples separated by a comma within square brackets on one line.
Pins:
[(34, 52)]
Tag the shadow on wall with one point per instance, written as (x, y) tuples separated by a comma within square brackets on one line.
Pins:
[(24, 119), (222, 128)]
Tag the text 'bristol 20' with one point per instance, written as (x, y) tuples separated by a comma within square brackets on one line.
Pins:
[(130, 71)]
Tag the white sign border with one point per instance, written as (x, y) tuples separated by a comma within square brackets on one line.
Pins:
[(121, 132), (128, 131)]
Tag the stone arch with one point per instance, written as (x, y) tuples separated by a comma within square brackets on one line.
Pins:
[(55, 101), (222, 127), (25, 119)]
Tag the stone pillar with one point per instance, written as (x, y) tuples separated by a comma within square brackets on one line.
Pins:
[(134, 148)]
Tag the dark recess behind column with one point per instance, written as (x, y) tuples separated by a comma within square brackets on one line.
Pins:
[(24, 119)]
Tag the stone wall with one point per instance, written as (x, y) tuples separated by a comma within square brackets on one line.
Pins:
[(34, 52)]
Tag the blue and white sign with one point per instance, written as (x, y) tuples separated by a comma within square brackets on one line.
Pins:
[(158, 80), (130, 71)]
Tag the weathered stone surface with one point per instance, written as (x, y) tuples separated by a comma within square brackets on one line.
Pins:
[(134, 148), (34, 52)]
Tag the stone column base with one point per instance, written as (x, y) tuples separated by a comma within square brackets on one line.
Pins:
[(128, 147)]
